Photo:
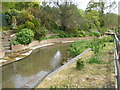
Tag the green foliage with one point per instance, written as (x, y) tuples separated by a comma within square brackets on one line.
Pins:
[(118, 29), (111, 20), (79, 64), (20, 27), (95, 59), (78, 47), (63, 35), (14, 42), (107, 39), (93, 33), (41, 32), (25, 36), (4, 28), (102, 30), (53, 37), (85, 25), (24, 16), (72, 22), (97, 45), (92, 18), (36, 23), (8, 17), (29, 25)]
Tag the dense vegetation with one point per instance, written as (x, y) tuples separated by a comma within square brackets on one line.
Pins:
[(96, 45), (64, 19)]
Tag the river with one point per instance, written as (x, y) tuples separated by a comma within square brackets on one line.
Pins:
[(32, 69)]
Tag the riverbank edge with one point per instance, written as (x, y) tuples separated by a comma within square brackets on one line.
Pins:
[(64, 40), (28, 54), (63, 66)]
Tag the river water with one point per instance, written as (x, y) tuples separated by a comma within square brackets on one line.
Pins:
[(32, 69)]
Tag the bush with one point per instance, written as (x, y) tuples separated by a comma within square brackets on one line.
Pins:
[(20, 27), (79, 64), (25, 36), (14, 42), (95, 59), (97, 34), (102, 30), (63, 35), (97, 45), (36, 23), (4, 28), (78, 47), (53, 37), (29, 25), (24, 16), (41, 32), (74, 51)]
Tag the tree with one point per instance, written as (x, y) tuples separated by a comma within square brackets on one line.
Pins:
[(111, 20), (7, 6), (92, 18), (65, 15), (24, 16), (101, 7)]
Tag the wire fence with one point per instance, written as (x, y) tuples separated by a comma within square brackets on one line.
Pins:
[(117, 61)]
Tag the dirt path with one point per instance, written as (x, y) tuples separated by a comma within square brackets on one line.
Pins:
[(92, 76)]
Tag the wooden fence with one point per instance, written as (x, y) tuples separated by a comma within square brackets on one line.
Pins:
[(117, 62)]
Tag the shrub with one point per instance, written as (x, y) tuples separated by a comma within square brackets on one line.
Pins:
[(42, 38), (25, 36), (102, 30), (63, 35), (96, 45), (78, 47), (95, 59), (97, 34), (73, 51), (36, 23), (79, 64), (20, 27), (29, 25), (24, 16), (14, 42), (4, 28), (41, 32), (80, 35)]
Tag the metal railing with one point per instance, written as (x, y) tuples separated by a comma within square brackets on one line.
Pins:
[(117, 62)]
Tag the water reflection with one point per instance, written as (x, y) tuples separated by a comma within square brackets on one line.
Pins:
[(56, 59)]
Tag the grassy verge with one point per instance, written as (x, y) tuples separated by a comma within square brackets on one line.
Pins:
[(93, 75)]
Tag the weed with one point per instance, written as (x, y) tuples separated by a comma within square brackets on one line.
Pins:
[(95, 59), (79, 64)]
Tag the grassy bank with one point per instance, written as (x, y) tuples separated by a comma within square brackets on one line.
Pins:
[(93, 75)]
